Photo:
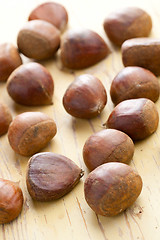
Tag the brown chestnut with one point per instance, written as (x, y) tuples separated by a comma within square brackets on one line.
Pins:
[(126, 23), (50, 176), (85, 97), (11, 201), (134, 82), (38, 39), (31, 84), (82, 48), (30, 132), (108, 145), (9, 60), (142, 52), (5, 118), (51, 12), (138, 118), (111, 188)]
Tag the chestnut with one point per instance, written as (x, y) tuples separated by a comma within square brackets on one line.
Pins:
[(138, 118), (134, 82), (11, 200), (142, 52), (31, 84), (5, 118), (108, 145), (51, 12), (126, 23), (29, 132), (38, 39), (85, 97), (111, 188), (82, 48), (50, 176), (9, 60)]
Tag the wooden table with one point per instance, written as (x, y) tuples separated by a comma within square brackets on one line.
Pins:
[(70, 218)]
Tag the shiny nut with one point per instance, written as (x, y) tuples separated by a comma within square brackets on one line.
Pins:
[(5, 118), (31, 84), (85, 97), (11, 201), (51, 12), (111, 188), (134, 82), (51, 176), (82, 48), (9, 60), (30, 132), (38, 39), (108, 145), (126, 23), (138, 118), (142, 52)]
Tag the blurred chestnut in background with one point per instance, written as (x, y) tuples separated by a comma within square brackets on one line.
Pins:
[(5, 118), (9, 60), (126, 23), (51, 12), (142, 52)]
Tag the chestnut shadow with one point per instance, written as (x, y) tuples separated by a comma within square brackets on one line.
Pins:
[(48, 61), (18, 108), (142, 142), (103, 222), (20, 163)]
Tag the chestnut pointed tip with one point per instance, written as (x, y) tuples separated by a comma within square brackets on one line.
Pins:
[(104, 124), (81, 173), (109, 52), (50, 102)]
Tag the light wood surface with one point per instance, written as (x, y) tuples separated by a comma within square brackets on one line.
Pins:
[(70, 218)]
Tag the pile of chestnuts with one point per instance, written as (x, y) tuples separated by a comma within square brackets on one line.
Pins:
[(112, 185)]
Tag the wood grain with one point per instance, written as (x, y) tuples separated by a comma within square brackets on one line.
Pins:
[(70, 217)]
